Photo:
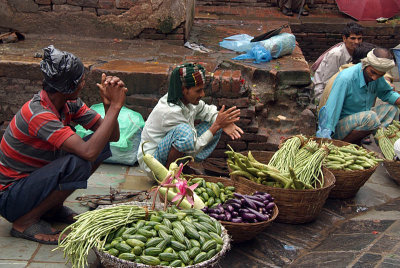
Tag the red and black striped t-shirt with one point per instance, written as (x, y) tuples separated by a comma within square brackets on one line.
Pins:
[(35, 134)]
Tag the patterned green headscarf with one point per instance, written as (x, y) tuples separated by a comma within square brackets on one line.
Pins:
[(187, 75)]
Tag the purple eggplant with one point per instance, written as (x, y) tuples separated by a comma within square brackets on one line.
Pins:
[(215, 216), (221, 217), (271, 205), (214, 211), (205, 209), (248, 216), (262, 210), (243, 210), (266, 202), (255, 198), (235, 214), (228, 216), (229, 208), (234, 200), (236, 206), (259, 216), (237, 220)]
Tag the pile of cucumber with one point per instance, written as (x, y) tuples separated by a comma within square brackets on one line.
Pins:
[(175, 238), (212, 194)]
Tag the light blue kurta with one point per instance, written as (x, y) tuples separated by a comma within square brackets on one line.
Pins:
[(350, 94)]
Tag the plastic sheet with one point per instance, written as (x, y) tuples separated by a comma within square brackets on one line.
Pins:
[(131, 124), (258, 52), (280, 45), (62, 70)]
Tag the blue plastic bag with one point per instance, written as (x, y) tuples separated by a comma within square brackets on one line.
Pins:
[(238, 42), (258, 52)]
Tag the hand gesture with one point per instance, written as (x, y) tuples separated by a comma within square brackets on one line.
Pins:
[(225, 118), (115, 90), (102, 89), (233, 131)]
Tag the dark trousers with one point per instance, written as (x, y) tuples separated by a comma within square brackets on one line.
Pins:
[(69, 172)]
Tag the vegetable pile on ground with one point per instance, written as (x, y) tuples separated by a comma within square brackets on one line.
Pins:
[(244, 208), (170, 238), (350, 157), (296, 165), (212, 193), (386, 138)]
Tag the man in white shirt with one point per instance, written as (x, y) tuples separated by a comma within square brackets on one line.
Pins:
[(328, 64), (170, 129)]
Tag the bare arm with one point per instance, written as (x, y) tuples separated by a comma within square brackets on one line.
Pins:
[(90, 149), (106, 102)]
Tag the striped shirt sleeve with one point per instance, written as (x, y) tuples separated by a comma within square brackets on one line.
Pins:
[(82, 114)]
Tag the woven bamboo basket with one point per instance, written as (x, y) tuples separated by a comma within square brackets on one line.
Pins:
[(295, 206), (242, 231), (393, 168), (246, 231), (110, 261), (348, 182)]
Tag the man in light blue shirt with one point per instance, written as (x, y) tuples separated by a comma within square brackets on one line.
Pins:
[(347, 115)]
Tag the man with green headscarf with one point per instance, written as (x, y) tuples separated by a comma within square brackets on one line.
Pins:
[(170, 129)]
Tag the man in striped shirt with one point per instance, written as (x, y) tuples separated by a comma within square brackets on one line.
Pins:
[(42, 160)]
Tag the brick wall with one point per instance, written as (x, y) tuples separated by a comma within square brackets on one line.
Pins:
[(315, 38), (101, 18)]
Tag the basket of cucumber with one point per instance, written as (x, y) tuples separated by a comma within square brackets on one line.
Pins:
[(171, 238)]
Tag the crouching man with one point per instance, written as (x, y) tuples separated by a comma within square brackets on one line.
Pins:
[(42, 160)]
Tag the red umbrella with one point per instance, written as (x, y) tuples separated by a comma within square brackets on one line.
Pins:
[(369, 9)]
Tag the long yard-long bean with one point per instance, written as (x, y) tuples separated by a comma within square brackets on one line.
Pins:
[(89, 229)]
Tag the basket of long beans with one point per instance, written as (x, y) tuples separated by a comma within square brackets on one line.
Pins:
[(300, 193), (351, 165), (386, 139)]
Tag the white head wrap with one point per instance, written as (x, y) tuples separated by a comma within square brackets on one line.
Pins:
[(380, 64)]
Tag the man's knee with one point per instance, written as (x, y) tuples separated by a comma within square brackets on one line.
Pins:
[(370, 120)]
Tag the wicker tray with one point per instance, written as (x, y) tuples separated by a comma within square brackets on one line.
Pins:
[(348, 182), (110, 261), (295, 206), (393, 168)]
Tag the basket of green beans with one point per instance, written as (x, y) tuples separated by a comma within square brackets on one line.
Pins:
[(352, 166), (299, 193)]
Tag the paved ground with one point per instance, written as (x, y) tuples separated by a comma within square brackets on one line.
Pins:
[(359, 232)]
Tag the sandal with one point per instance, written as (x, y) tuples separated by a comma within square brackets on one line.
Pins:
[(41, 227), (287, 12), (304, 13), (64, 215)]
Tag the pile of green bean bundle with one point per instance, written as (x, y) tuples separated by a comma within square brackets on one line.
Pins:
[(387, 137), (350, 157), (284, 158), (303, 172), (89, 229)]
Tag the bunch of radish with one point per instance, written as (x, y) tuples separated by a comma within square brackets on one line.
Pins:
[(244, 208)]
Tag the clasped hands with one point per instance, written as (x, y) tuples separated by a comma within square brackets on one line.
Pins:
[(112, 90)]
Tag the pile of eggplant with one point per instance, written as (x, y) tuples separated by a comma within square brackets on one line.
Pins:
[(244, 208)]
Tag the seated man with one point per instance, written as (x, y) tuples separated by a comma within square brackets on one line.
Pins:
[(328, 64), (42, 160), (359, 53), (347, 113), (170, 129)]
